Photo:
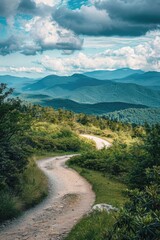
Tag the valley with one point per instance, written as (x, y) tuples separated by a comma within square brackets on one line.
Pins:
[(98, 92)]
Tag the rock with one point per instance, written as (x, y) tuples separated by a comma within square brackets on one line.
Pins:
[(104, 207)]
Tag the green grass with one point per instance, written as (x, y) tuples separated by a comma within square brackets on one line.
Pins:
[(39, 155), (33, 188), (34, 185), (95, 225)]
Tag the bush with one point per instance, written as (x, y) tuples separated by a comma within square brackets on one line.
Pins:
[(10, 206), (140, 219)]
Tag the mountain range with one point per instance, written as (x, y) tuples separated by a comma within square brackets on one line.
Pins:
[(83, 89), (96, 92), (113, 74), (97, 109)]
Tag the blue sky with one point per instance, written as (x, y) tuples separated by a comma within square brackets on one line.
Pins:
[(41, 37)]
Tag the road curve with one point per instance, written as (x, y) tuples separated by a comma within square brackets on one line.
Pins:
[(70, 197), (100, 143)]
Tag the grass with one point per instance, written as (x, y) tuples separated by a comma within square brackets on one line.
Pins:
[(34, 185), (95, 225), (32, 189), (43, 154)]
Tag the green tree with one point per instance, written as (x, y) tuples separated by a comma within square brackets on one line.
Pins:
[(145, 156), (14, 122)]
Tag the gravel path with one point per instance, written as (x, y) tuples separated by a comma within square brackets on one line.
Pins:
[(100, 143), (70, 197)]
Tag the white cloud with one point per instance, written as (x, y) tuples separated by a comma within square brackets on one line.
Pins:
[(48, 2), (145, 56), (22, 69), (38, 35)]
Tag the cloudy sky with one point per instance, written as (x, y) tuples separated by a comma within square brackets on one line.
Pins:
[(41, 37)]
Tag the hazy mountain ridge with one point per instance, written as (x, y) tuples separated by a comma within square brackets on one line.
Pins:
[(112, 74), (88, 90), (83, 89), (98, 108), (145, 79), (16, 82)]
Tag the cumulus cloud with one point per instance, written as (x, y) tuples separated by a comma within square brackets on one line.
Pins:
[(111, 17), (35, 26), (38, 35), (140, 11), (144, 56), (22, 69), (8, 8)]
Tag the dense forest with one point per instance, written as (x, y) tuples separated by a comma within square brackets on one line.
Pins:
[(136, 116), (29, 131)]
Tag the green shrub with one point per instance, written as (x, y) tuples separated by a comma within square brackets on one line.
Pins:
[(10, 206), (140, 218)]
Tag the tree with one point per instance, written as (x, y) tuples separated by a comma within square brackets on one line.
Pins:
[(14, 121), (146, 155)]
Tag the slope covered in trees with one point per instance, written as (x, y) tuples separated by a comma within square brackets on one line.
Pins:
[(136, 116)]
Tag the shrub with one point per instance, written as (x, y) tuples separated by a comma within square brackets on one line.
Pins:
[(10, 206)]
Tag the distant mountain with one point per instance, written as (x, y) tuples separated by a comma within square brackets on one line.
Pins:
[(15, 82), (97, 109), (112, 74), (116, 92), (65, 82), (137, 116), (145, 79), (33, 98), (83, 89)]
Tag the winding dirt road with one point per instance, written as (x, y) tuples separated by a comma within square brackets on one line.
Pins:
[(100, 143), (70, 197)]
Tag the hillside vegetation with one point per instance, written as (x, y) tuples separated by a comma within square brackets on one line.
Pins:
[(136, 116), (138, 166), (95, 109)]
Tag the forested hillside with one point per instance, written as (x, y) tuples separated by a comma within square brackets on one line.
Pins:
[(136, 116), (94, 109)]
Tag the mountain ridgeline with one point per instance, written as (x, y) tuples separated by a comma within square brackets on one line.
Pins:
[(98, 92)]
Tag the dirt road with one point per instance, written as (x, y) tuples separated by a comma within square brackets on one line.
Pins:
[(70, 197), (100, 143)]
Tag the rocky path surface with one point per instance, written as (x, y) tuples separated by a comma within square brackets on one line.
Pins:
[(70, 197)]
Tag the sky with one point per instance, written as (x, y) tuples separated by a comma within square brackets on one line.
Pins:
[(42, 37)]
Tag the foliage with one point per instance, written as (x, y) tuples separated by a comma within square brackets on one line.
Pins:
[(113, 161), (10, 206), (140, 219), (14, 122), (146, 155), (136, 116), (34, 185)]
